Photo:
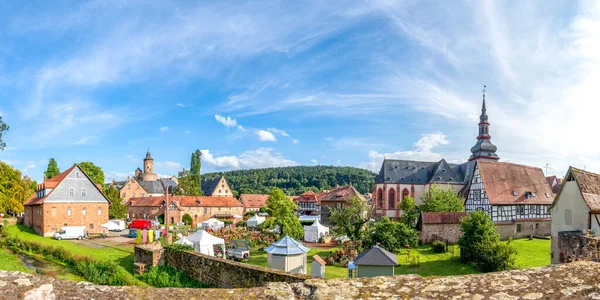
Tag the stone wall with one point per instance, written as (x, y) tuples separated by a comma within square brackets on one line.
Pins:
[(211, 270), (579, 280), (528, 228), (574, 246), (451, 232)]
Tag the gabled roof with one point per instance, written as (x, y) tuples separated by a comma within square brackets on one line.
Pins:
[(589, 186), (442, 217), (554, 183), (287, 246), (254, 200), (209, 185), (186, 201), (419, 172), (53, 182), (376, 256), (341, 193), (152, 187), (308, 196), (318, 259), (501, 179)]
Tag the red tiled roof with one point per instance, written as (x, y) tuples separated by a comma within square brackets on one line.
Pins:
[(589, 185), (342, 193), (254, 200), (442, 217), (48, 184), (500, 179), (186, 201)]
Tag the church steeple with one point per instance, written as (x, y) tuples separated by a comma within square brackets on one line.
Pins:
[(484, 149)]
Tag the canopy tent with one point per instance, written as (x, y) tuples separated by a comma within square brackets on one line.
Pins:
[(111, 226), (184, 241), (314, 232), (255, 221), (203, 242), (237, 217), (213, 224), (309, 218)]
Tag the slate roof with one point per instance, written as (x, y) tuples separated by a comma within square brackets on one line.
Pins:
[(376, 256), (589, 185), (419, 172), (119, 184), (167, 182), (209, 185), (442, 217), (500, 179), (254, 200), (341, 193), (287, 246), (152, 187)]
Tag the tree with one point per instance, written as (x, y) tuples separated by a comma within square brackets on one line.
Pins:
[(185, 185), (480, 244), (390, 235), (281, 209), (409, 212), (52, 170), (14, 189), (94, 172), (438, 199), (351, 219), (116, 209), (3, 129), (187, 219), (195, 166)]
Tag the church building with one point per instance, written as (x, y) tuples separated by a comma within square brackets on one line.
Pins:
[(516, 197)]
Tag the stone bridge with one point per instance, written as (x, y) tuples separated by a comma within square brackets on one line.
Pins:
[(578, 280)]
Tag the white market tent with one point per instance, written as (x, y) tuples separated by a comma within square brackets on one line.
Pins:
[(184, 241), (255, 221), (315, 231), (111, 226), (213, 224), (203, 242)]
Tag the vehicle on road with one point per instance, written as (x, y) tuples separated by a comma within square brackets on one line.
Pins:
[(132, 233), (71, 232), (141, 224), (239, 250)]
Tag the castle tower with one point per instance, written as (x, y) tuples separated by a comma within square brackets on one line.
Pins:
[(484, 149), (148, 174)]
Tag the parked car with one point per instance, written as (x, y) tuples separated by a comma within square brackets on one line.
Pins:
[(239, 250), (132, 233), (141, 224), (71, 232)]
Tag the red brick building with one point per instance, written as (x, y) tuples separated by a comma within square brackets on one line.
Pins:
[(69, 199), (200, 208), (253, 202)]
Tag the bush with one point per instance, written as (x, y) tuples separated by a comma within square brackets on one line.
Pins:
[(389, 235), (161, 219), (480, 244), (179, 248), (438, 246), (165, 276), (227, 222), (187, 219), (102, 272), (240, 224)]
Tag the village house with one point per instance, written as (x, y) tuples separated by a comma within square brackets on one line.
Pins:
[(439, 226), (69, 199), (554, 183), (200, 208), (575, 212), (253, 202), (217, 187), (336, 198), (308, 204), (516, 197)]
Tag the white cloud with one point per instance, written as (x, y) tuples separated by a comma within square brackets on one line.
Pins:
[(163, 129), (277, 131), (228, 122), (117, 176), (83, 140), (251, 159), (182, 105), (314, 161), (295, 141), (28, 167), (422, 151), (169, 165), (266, 136)]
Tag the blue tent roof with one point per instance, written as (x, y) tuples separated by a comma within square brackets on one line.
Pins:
[(287, 246)]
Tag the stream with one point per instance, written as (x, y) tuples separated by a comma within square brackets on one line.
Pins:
[(41, 266)]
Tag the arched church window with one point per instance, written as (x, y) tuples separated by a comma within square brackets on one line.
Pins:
[(392, 199), (379, 198)]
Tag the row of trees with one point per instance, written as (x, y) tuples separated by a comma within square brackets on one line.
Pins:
[(296, 180), (15, 189)]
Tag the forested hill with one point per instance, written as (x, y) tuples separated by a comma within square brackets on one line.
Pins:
[(296, 180)]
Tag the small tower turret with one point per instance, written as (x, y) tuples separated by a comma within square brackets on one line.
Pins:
[(484, 149)]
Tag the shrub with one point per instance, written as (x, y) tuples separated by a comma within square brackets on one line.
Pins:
[(161, 219), (241, 224), (480, 244), (179, 248), (389, 235), (187, 219), (438, 246), (102, 272), (166, 276), (227, 222)]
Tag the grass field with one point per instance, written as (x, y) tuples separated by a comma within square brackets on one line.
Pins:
[(122, 255), (530, 253), (9, 262)]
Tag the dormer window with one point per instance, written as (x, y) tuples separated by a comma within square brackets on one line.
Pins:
[(83, 192), (71, 192)]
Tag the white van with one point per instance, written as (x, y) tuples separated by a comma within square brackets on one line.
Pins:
[(71, 232)]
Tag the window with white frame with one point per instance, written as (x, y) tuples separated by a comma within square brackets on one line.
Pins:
[(99, 211), (83, 192), (71, 192), (69, 211), (83, 211)]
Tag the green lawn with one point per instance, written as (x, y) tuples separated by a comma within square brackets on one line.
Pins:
[(122, 255), (530, 253), (9, 262)]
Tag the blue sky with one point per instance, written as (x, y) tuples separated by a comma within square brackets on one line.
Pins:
[(276, 83)]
